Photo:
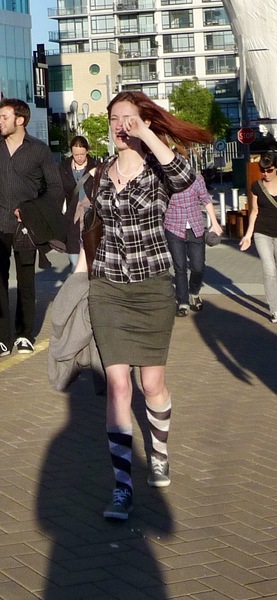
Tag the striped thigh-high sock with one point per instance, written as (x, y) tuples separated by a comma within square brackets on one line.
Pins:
[(120, 445), (159, 422)]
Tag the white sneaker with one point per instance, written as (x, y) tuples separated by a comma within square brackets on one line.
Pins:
[(23, 346), (4, 351), (273, 318)]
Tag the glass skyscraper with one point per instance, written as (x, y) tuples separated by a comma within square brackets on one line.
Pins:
[(16, 79)]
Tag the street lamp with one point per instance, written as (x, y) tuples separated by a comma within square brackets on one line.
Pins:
[(75, 119)]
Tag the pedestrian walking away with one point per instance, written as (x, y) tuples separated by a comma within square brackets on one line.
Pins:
[(184, 229), (131, 297), (77, 184), (263, 224), (27, 172)]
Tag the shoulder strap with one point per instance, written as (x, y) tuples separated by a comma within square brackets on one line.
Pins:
[(266, 193), (96, 180), (81, 183)]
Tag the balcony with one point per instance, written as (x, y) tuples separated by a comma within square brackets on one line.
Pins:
[(129, 54), (140, 77), (59, 36), (136, 30), (55, 13), (134, 5)]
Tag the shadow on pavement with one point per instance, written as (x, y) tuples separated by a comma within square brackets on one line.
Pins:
[(92, 557), (241, 344), (214, 279)]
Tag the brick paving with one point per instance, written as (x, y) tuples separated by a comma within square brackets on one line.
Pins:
[(212, 535)]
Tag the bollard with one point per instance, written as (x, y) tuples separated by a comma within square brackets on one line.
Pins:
[(235, 198), (222, 209)]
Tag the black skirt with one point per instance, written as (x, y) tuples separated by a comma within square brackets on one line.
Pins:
[(132, 323)]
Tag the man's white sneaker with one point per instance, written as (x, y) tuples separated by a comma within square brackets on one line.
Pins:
[(273, 318), (4, 351), (23, 346)]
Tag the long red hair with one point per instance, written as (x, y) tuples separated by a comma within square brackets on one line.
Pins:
[(166, 126)]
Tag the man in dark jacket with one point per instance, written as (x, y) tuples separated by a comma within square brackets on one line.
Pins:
[(27, 171)]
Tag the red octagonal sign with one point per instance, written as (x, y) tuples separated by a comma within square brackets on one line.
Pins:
[(246, 135)]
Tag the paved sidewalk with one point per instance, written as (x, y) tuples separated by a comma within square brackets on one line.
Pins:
[(212, 534)]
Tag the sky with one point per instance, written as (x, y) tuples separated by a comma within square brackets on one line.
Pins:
[(41, 24)]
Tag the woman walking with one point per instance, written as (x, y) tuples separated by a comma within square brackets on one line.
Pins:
[(131, 299), (263, 223), (77, 184)]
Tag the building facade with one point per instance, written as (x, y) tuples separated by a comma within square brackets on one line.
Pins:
[(16, 62), (158, 43)]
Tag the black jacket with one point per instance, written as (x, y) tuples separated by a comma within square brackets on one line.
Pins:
[(46, 225), (69, 184)]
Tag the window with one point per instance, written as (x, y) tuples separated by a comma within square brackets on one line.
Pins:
[(178, 42), (102, 24), (131, 71), (221, 40), (103, 45), (128, 24), (73, 28), (94, 69), (163, 2), (95, 95), (19, 6), (220, 64), (60, 78), (177, 19), (215, 16), (179, 66), (78, 47), (226, 88), (100, 4), (231, 110), (169, 87)]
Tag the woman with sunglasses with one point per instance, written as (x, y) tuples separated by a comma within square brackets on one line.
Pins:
[(263, 223)]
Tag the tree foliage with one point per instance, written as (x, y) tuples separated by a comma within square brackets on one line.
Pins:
[(96, 130), (196, 104)]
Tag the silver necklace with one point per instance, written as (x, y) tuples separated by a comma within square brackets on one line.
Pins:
[(126, 176)]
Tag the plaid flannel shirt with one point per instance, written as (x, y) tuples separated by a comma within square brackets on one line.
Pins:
[(134, 247), (185, 208)]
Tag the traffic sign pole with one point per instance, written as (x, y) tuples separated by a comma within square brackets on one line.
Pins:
[(220, 146)]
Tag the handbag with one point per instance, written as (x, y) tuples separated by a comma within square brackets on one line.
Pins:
[(93, 228), (22, 240)]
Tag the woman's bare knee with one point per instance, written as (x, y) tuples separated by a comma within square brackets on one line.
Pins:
[(118, 381), (153, 381)]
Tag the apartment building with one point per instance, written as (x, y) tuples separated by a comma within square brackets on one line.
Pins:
[(157, 44)]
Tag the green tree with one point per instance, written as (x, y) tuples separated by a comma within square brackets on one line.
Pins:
[(96, 130), (196, 104)]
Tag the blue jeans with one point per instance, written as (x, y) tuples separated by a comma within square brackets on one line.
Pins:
[(187, 253), (267, 251)]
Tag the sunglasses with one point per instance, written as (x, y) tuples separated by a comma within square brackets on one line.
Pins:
[(269, 170)]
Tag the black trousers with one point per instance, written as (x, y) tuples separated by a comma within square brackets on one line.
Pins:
[(25, 305)]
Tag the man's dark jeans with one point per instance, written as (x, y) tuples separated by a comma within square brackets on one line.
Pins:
[(25, 306), (187, 254)]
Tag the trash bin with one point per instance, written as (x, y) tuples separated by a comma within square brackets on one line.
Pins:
[(236, 223)]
